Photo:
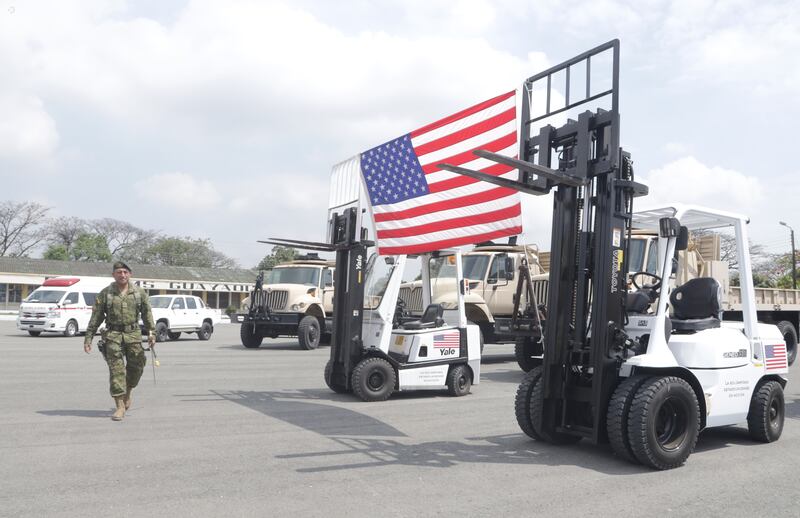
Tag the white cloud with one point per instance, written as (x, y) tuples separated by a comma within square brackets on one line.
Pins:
[(689, 181), (178, 191), (27, 131)]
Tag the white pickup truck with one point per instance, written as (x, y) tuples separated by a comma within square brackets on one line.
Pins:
[(176, 314)]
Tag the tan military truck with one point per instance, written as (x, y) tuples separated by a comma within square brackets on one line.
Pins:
[(490, 271), (292, 299)]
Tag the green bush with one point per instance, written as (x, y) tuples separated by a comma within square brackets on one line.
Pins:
[(230, 310)]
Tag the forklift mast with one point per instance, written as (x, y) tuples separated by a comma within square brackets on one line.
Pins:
[(592, 180)]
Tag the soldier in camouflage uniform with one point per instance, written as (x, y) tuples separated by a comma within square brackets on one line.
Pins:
[(121, 304)]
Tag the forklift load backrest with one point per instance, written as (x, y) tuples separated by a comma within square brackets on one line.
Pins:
[(696, 305), (431, 318)]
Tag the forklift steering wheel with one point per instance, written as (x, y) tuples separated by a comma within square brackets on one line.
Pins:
[(655, 286)]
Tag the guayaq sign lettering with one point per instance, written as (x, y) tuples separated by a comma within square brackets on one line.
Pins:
[(194, 286)]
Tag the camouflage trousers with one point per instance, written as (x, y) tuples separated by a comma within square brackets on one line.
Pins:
[(126, 360)]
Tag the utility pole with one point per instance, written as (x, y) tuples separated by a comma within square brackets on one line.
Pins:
[(794, 260)]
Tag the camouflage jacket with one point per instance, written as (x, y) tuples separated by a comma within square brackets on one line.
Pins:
[(121, 310)]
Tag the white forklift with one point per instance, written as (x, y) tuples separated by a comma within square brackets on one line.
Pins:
[(644, 370), (375, 349)]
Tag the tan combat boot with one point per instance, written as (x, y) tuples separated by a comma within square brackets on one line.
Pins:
[(120, 412), (127, 398)]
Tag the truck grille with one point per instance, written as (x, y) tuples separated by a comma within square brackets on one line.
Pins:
[(413, 298), (274, 300), (31, 322), (540, 289), (33, 314)]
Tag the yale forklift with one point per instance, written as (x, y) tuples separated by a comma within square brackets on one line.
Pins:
[(376, 348), (645, 370)]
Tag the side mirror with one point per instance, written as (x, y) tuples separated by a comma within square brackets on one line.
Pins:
[(509, 268), (669, 227), (389, 260), (682, 243)]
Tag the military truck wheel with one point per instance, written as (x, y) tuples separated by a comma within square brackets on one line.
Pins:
[(790, 337), (71, 329), (162, 332), (527, 353), (174, 336), (308, 333), (373, 379), (767, 412), (34, 333), (663, 422), (328, 380), (617, 417), (459, 381), (522, 402), (250, 339), (205, 332)]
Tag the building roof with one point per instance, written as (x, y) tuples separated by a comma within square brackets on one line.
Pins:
[(47, 267)]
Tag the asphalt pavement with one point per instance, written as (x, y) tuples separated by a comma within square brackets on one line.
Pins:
[(228, 431)]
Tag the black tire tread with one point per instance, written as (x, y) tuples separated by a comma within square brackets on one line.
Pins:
[(617, 416), (452, 380), (637, 425), (758, 416), (358, 373), (522, 403), (302, 330), (523, 356), (249, 340), (786, 327)]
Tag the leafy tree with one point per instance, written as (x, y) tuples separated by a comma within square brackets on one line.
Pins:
[(90, 247), (125, 241), (56, 253), (21, 225), (279, 254), (177, 251)]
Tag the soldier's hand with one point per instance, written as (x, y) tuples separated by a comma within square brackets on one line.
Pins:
[(151, 340), (87, 347)]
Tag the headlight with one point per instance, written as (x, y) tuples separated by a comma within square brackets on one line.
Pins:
[(52, 314), (298, 307)]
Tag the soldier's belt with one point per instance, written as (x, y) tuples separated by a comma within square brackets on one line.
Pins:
[(123, 328)]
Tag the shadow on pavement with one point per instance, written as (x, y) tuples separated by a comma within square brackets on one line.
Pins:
[(76, 413), (793, 409), (498, 449), (509, 376), (265, 347), (307, 409)]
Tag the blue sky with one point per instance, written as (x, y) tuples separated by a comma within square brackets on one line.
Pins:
[(223, 119)]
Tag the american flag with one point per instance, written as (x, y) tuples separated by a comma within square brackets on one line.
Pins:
[(446, 340), (419, 208), (775, 357)]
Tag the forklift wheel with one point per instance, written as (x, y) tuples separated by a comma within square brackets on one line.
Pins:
[(373, 379), (617, 417), (663, 422), (765, 420), (328, 374), (459, 381), (522, 402)]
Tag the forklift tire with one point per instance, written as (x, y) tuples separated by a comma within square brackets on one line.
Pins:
[(328, 373), (308, 333), (250, 339), (459, 381), (373, 379), (525, 353), (767, 412), (664, 422), (522, 402), (617, 416), (790, 337)]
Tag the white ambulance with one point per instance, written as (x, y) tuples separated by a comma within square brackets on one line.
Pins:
[(60, 305)]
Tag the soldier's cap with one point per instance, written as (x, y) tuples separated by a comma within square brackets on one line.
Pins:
[(120, 264)]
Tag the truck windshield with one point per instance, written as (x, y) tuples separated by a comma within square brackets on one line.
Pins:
[(475, 266), (45, 296), (160, 302), (294, 275)]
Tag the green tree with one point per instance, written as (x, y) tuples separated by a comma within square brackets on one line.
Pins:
[(90, 247), (279, 254), (177, 251), (56, 253)]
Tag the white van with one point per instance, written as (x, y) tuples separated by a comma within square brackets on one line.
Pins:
[(60, 305)]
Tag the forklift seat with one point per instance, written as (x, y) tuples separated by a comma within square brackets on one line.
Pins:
[(431, 319), (696, 305)]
